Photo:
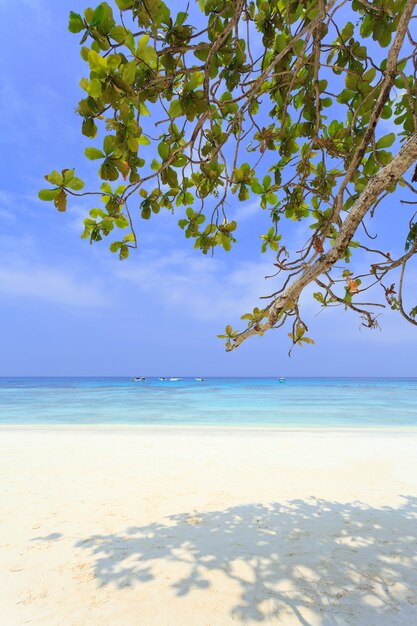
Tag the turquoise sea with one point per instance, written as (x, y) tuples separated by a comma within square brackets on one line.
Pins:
[(297, 403)]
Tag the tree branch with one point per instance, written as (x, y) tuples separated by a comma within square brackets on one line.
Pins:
[(387, 176)]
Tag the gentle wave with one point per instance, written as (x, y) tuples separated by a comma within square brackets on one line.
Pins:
[(336, 402)]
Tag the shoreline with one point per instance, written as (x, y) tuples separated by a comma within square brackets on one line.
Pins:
[(203, 428)]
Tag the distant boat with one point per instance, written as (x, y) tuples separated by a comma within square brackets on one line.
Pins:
[(282, 380), (200, 380), (138, 379), (173, 379), (162, 378)]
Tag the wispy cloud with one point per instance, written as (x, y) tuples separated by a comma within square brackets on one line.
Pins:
[(23, 273), (37, 10), (201, 287), (247, 211), (12, 203), (58, 285), (6, 214)]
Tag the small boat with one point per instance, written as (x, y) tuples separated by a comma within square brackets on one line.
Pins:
[(199, 379), (162, 378), (138, 379), (282, 380), (173, 379)]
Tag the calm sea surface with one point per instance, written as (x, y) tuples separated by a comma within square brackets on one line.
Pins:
[(300, 402)]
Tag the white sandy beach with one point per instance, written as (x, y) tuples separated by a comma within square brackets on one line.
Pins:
[(182, 527)]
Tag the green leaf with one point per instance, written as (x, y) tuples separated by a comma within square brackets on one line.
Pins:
[(180, 160), (142, 43), (143, 109), (97, 62), (175, 109), (266, 182), (76, 22), (94, 88), (76, 184), (55, 178), (129, 72), (345, 96), (143, 140), (124, 252), (384, 157), (386, 141), (67, 176), (121, 222), (97, 213), (98, 15), (351, 81), (115, 246), (226, 243), (133, 144), (369, 75), (89, 128), (308, 340), (203, 52), (257, 187), (411, 236), (149, 56), (109, 144), (93, 154), (163, 150), (108, 171), (119, 34), (123, 5), (48, 194), (347, 31)]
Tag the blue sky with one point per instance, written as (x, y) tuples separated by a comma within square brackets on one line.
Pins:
[(68, 308)]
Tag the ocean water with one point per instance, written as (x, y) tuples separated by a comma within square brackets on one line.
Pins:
[(297, 403)]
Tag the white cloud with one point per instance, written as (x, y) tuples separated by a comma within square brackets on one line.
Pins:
[(12, 203), (247, 211), (58, 285), (23, 117), (6, 215), (78, 214), (38, 11), (201, 287)]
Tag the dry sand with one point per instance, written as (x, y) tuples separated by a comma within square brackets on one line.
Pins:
[(179, 527)]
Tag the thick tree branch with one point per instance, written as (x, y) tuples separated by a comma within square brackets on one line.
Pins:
[(386, 177), (386, 86)]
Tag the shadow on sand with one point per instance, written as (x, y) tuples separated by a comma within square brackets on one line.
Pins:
[(311, 560)]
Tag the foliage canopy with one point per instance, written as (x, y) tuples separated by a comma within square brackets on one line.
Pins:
[(287, 102)]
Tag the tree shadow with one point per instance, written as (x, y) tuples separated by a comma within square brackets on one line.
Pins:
[(348, 563)]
